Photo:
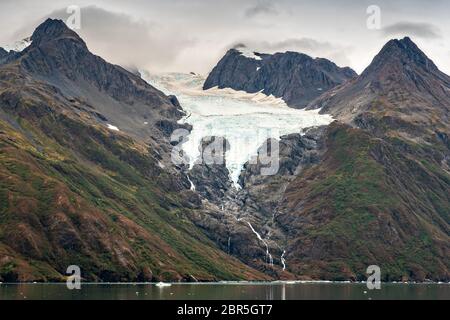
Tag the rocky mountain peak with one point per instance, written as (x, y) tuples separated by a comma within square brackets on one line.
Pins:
[(293, 76), (52, 29), (401, 87), (401, 52)]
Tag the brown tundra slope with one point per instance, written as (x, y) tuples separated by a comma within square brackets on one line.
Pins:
[(381, 193)]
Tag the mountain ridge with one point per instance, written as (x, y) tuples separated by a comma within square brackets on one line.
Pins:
[(293, 76), (401, 85)]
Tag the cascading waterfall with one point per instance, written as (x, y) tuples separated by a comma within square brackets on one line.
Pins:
[(268, 255), (192, 184), (283, 260)]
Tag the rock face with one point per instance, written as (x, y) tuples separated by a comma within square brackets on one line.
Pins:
[(295, 77), (209, 175), (5, 56), (384, 183)]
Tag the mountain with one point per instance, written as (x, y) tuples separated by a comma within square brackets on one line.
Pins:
[(402, 89), (86, 177), (380, 193), (295, 77), (372, 188)]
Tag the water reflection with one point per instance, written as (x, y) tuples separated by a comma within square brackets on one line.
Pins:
[(227, 291)]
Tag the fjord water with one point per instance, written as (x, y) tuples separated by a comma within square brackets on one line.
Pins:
[(245, 120), (226, 291)]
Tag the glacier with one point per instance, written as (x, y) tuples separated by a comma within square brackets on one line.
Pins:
[(246, 120)]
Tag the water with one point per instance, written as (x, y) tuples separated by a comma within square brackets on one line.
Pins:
[(227, 291), (245, 120)]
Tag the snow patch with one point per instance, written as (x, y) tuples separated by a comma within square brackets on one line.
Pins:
[(249, 54), (111, 127)]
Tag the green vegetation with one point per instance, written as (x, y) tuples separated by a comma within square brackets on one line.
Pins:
[(393, 213), (77, 195)]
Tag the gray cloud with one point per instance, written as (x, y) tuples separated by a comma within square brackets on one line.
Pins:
[(180, 35), (261, 8), (420, 30), (127, 41)]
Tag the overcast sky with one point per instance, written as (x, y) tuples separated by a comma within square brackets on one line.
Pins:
[(191, 35)]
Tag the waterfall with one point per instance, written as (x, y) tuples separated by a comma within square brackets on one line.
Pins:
[(283, 260), (263, 241), (192, 184)]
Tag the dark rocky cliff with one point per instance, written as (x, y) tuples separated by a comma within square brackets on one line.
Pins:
[(295, 77)]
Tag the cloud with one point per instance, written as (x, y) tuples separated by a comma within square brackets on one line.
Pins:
[(336, 53), (128, 41), (420, 30), (261, 8)]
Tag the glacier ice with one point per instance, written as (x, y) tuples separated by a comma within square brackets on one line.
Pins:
[(246, 120)]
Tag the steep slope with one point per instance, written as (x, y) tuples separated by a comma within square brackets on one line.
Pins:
[(73, 191), (380, 194), (295, 77), (61, 59), (369, 201), (402, 90)]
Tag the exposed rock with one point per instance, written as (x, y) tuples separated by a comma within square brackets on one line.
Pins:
[(401, 92), (210, 175), (295, 77)]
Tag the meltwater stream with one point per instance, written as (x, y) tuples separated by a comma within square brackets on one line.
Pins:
[(245, 120)]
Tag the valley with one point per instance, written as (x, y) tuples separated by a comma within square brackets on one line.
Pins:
[(361, 167)]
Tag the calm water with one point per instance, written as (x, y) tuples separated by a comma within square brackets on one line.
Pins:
[(229, 291)]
